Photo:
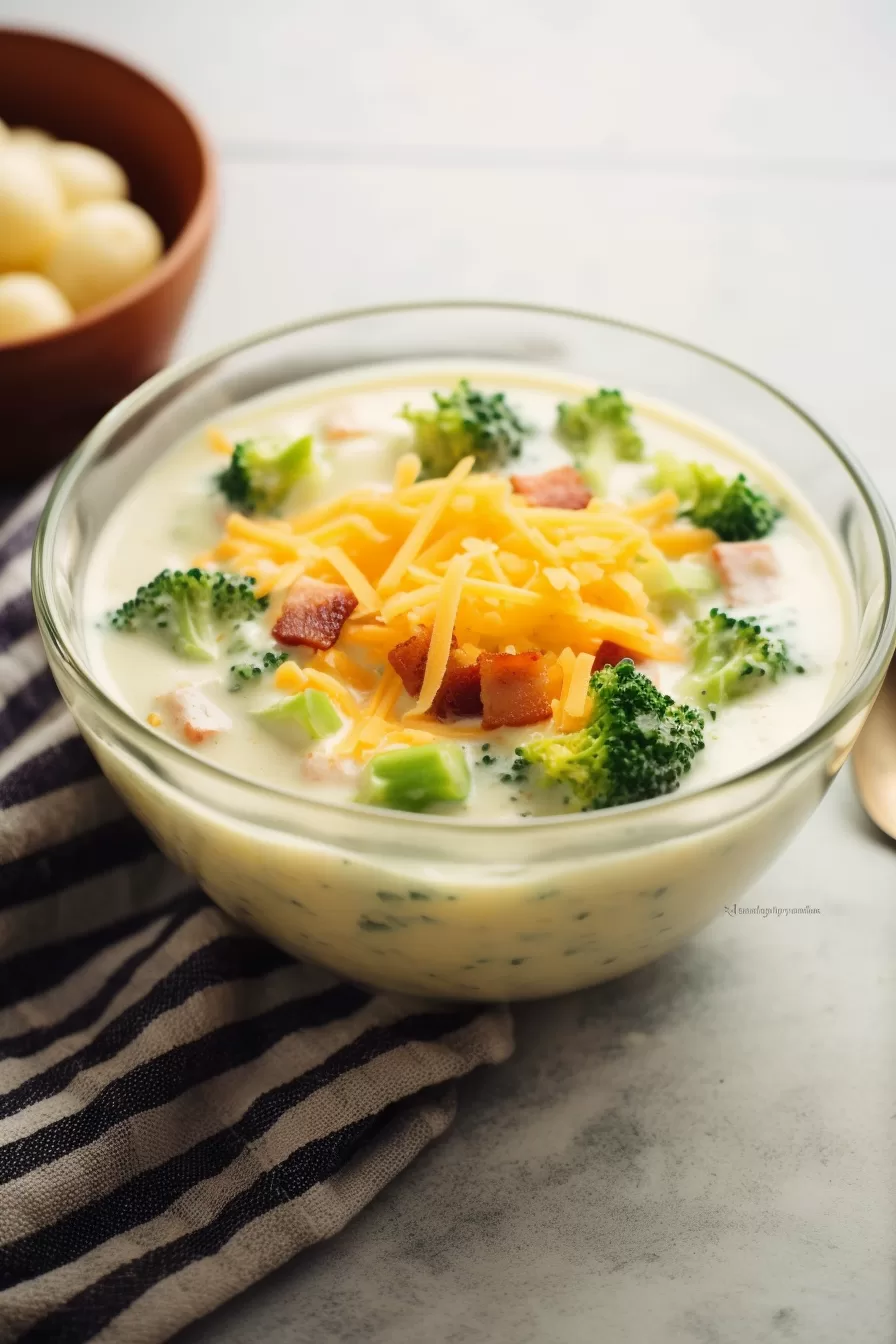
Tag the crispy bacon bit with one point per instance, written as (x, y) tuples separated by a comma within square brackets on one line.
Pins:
[(314, 613), (515, 689), (409, 660), (562, 488), (508, 689), (612, 653), (458, 695), (194, 715), (749, 571)]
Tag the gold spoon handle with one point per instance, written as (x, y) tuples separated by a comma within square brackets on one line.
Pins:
[(874, 758)]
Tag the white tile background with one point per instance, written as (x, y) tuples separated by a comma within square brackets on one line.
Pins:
[(725, 172)]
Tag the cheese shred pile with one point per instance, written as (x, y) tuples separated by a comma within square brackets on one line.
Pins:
[(477, 564)]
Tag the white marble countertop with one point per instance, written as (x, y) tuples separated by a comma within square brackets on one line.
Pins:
[(700, 1153)]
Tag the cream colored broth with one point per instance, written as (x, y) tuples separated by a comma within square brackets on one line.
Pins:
[(175, 513)]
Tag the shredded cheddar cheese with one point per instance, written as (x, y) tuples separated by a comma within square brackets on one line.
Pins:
[(407, 469), (218, 441), (566, 664), (479, 565), (678, 541), (363, 590), (424, 525), (443, 630), (337, 662), (575, 709), (290, 677)]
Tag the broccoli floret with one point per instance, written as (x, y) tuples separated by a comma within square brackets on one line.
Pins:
[(638, 744), (604, 414), (191, 610), (731, 507), (598, 431), (464, 423), (254, 667), (261, 474), (732, 658)]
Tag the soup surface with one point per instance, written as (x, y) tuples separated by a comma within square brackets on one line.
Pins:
[(475, 616)]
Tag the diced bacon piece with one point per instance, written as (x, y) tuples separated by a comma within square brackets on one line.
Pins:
[(458, 695), (749, 571), (314, 613), (345, 420), (194, 714), (612, 653), (409, 660), (356, 418), (562, 488), (321, 768), (515, 689)]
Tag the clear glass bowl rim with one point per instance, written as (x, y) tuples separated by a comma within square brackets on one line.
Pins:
[(853, 696)]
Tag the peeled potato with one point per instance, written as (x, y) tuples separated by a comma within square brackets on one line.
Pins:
[(30, 306), (86, 174), (29, 137), (31, 208), (104, 247)]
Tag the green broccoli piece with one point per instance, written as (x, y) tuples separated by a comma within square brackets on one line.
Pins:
[(638, 744), (598, 431), (675, 585), (732, 657), (731, 507), (261, 474), (301, 718), (411, 778), (254, 667), (190, 610), (466, 422)]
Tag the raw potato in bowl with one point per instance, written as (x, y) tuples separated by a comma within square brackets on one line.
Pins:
[(30, 305), (66, 230), (104, 247), (87, 174), (32, 208)]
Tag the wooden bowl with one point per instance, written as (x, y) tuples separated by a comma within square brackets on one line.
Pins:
[(55, 387)]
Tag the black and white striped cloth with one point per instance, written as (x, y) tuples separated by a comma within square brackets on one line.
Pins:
[(182, 1107)]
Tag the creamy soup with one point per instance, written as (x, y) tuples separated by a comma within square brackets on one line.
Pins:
[(516, 628), (177, 517)]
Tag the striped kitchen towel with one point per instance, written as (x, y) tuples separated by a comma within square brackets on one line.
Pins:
[(182, 1107)]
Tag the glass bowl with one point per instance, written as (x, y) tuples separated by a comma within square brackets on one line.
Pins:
[(437, 905)]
